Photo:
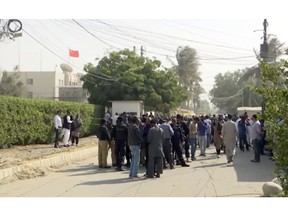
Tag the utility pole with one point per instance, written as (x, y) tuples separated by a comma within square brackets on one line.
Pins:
[(264, 53), (264, 46), (142, 51)]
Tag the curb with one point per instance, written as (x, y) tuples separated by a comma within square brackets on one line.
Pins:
[(55, 160)]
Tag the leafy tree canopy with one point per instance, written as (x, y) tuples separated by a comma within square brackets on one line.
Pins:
[(230, 91), (10, 86), (124, 75), (275, 94), (187, 71)]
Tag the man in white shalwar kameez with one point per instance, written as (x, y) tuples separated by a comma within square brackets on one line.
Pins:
[(229, 133)]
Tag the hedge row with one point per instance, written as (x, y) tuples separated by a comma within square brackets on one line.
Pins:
[(30, 121)]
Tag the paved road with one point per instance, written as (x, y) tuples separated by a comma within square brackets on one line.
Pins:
[(207, 177)]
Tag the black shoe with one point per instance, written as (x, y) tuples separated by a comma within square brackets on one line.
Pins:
[(157, 175), (172, 167), (120, 169), (193, 159), (185, 165), (127, 164), (106, 167), (255, 161)]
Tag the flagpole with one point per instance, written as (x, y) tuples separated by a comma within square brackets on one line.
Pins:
[(41, 60), (19, 54), (68, 56)]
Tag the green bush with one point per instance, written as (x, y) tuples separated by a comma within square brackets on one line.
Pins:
[(275, 94), (30, 121)]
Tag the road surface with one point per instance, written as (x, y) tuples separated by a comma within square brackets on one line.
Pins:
[(207, 177)]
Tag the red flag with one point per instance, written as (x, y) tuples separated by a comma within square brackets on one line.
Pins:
[(74, 53)]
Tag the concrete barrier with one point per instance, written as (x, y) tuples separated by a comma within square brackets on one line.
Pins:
[(50, 161)]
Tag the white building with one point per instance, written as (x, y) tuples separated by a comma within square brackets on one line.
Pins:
[(54, 85), (41, 84), (132, 107)]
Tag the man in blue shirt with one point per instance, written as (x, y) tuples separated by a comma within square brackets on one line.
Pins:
[(202, 135), (242, 132)]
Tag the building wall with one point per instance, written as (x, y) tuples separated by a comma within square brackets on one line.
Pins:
[(51, 85), (73, 93), (128, 107), (44, 84)]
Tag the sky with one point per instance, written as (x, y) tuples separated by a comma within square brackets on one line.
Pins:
[(229, 24), (222, 43)]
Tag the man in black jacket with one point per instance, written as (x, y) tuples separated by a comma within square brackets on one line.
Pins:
[(176, 140), (185, 131), (120, 135), (67, 121)]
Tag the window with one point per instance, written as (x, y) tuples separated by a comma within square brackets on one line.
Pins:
[(61, 82), (29, 94), (29, 81)]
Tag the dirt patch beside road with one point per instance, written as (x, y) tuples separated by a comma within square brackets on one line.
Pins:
[(17, 155)]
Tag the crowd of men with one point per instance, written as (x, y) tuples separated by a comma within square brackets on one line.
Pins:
[(68, 129), (163, 142)]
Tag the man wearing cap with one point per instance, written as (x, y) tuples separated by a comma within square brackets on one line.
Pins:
[(120, 135), (104, 140)]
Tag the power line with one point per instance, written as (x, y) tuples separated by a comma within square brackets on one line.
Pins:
[(223, 99), (164, 41), (94, 35), (178, 38), (118, 37), (93, 75)]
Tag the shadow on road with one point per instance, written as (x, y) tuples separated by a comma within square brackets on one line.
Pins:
[(211, 165), (91, 169), (113, 181), (79, 168), (248, 171)]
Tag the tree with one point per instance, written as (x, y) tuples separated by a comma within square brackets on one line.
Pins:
[(230, 91), (274, 83), (225, 94), (187, 71), (124, 75), (205, 106), (10, 86)]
